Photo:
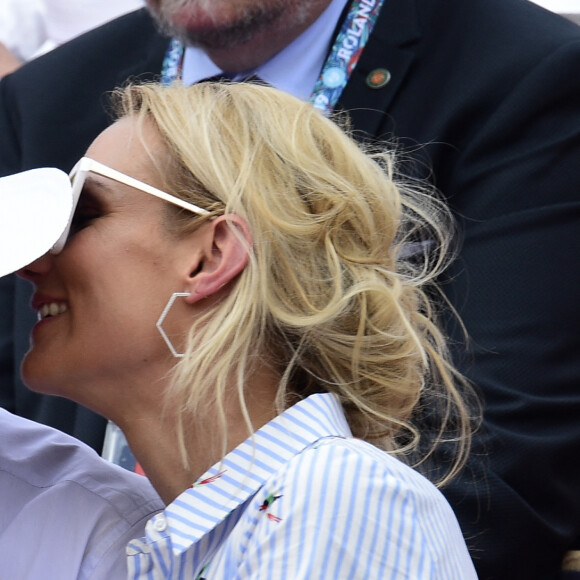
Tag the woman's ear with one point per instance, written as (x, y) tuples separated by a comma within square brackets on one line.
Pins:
[(227, 243)]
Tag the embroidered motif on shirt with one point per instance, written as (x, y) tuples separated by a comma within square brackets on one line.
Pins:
[(265, 507), (208, 479)]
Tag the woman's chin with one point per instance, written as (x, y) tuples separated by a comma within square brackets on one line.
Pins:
[(40, 378), (40, 385)]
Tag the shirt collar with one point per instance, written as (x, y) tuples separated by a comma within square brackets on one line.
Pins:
[(239, 475), (294, 70)]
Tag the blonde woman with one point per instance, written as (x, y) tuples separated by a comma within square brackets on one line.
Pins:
[(244, 292)]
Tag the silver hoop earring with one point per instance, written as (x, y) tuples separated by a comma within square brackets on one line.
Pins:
[(162, 318)]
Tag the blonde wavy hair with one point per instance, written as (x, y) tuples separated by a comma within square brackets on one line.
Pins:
[(337, 296)]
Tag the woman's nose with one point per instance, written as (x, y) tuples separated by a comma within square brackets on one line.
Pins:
[(38, 268)]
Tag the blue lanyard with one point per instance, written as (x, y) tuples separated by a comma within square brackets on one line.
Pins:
[(171, 67), (342, 59), (345, 53)]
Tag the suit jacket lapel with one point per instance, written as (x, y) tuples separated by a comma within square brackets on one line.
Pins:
[(390, 47)]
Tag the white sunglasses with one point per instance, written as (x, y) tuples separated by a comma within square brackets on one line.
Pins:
[(86, 165)]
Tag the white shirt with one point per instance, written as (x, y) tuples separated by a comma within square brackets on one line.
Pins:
[(304, 500), (22, 27), (294, 70), (65, 513), (32, 27)]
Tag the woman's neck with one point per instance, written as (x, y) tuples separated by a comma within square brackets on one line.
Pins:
[(153, 436)]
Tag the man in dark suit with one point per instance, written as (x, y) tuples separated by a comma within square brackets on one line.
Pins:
[(487, 94)]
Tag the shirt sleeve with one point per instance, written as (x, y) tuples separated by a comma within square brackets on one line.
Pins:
[(336, 512)]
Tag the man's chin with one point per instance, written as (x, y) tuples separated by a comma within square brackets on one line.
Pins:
[(204, 30)]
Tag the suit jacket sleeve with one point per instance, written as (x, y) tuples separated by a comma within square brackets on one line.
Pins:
[(487, 94), (516, 285)]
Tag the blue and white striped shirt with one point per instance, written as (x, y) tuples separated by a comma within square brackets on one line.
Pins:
[(302, 499)]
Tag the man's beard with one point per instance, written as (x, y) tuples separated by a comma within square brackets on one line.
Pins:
[(247, 25)]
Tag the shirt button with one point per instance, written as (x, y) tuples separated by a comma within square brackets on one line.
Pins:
[(160, 524)]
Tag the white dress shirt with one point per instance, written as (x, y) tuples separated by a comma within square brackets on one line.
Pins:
[(300, 500), (30, 28), (65, 513)]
